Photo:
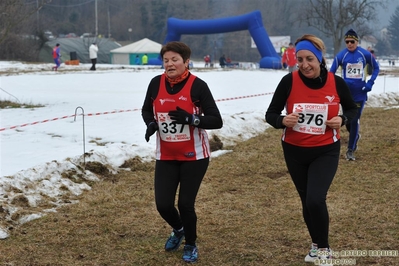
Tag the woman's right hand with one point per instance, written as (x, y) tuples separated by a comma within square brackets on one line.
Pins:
[(290, 120)]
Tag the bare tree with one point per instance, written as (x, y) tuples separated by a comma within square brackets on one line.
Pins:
[(14, 12), (334, 17)]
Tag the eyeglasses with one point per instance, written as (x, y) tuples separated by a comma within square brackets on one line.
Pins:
[(351, 41)]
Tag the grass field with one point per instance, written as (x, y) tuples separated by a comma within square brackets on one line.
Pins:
[(248, 210)]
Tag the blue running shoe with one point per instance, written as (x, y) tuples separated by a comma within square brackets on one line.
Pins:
[(174, 240), (190, 253)]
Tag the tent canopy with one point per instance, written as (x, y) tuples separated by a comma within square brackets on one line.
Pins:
[(143, 46), (128, 54), (81, 47)]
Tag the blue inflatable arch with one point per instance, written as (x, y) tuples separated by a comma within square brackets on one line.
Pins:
[(250, 21)]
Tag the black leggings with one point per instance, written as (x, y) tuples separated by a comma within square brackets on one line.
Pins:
[(93, 63), (312, 170), (168, 176)]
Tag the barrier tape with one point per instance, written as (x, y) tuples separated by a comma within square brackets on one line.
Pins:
[(243, 97), (120, 111)]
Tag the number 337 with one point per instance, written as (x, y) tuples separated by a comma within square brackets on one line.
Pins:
[(171, 128)]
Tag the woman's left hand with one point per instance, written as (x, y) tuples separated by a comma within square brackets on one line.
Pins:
[(335, 122)]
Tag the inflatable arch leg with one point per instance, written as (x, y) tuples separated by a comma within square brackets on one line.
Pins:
[(250, 21)]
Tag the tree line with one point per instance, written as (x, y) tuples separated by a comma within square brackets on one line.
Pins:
[(24, 22)]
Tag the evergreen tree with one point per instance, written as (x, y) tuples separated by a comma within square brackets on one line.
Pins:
[(393, 30)]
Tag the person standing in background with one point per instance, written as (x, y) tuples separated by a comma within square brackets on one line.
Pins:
[(312, 97), (369, 68), (144, 59), (137, 60), (179, 107), (353, 61), (57, 56), (289, 58), (282, 50), (207, 60), (222, 61), (93, 49)]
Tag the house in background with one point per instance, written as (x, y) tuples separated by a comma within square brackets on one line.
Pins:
[(126, 55), (368, 41)]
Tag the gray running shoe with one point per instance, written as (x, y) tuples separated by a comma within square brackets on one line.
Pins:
[(349, 155)]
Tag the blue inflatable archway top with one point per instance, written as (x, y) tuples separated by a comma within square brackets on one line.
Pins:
[(251, 21)]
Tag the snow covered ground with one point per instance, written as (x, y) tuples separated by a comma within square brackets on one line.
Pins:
[(38, 144)]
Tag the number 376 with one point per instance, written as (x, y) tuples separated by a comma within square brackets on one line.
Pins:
[(308, 118)]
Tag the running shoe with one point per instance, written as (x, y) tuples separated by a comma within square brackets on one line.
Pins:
[(350, 155), (190, 253), (174, 240), (312, 255), (324, 257)]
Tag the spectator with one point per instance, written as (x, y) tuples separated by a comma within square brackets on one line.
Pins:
[(144, 59), (289, 58), (137, 60), (222, 61), (207, 60), (93, 49), (369, 68), (282, 50)]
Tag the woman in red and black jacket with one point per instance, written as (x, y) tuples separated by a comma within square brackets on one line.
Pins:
[(179, 107), (312, 97)]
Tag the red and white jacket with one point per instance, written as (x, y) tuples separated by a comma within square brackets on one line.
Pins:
[(176, 141)]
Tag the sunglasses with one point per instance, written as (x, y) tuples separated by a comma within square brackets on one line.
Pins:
[(351, 41)]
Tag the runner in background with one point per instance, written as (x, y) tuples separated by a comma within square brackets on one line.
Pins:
[(353, 61), (56, 56)]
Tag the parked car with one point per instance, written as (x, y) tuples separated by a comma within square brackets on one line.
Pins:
[(86, 35), (71, 35), (49, 35)]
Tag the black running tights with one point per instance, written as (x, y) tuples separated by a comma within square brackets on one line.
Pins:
[(168, 176), (312, 170)]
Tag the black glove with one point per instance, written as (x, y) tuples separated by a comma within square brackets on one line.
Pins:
[(180, 116), (151, 129)]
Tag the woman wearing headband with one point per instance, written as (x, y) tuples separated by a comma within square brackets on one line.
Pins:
[(311, 98)]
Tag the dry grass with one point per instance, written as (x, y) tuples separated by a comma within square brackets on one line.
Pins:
[(248, 211), (4, 104)]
